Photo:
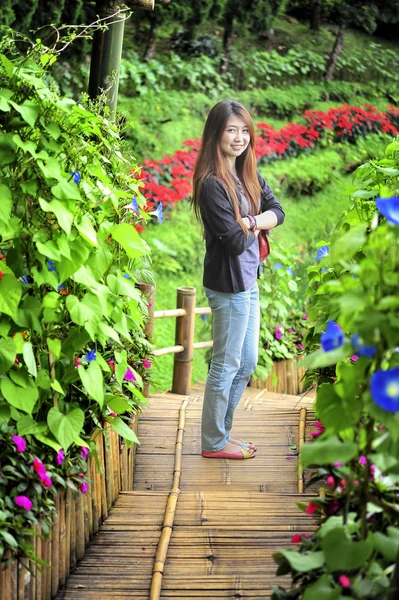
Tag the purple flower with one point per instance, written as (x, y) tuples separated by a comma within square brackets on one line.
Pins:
[(84, 452), (23, 502), (300, 346), (384, 387), (354, 357), (360, 348), (332, 338), (363, 460), (129, 375), (278, 335), (84, 487), (158, 213), (76, 176), (203, 317), (322, 252), (19, 442), (90, 356), (389, 208), (59, 459)]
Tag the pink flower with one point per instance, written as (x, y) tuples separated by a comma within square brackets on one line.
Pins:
[(363, 461), (113, 414), (344, 581), (84, 452), (305, 317), (354, 357), (146, 364), (45, 479), (59, 459), (278, 334), (331, 482), (149, 304), (129, 375), (339, 489), (311, 508), (77, 362), (300, 346), (319, 424), (289, 458), (338, 464), (38, 466), (84, 487), (372, 468), (292, 330), (23, 502), (19, 442), (356, 482), (81, 474), (296, 539), (112, 364)]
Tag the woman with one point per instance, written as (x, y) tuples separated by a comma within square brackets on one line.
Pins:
[(228, 195)]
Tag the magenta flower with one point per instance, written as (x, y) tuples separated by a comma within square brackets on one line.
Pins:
[(19, 442), (363, 461), (300, 346), (146, 364), (112, 364), (305, 317), (344, 581), (278, 334), (338, 464), (38, 466), (59, 459), (311, 508), (113, 414), (45, 479), (296, 538), (292, 330), (129, 375), (23, 502), (84, 487), (331, 482), (354, 357), (77, 362), (84, 452)]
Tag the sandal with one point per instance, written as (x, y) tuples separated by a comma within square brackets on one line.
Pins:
[(242, 454)]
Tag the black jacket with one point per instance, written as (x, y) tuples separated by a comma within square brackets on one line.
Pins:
[(225, 240)]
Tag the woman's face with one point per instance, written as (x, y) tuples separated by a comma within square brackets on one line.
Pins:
[(235, 137)]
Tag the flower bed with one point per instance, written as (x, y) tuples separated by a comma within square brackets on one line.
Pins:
[(76, 519)]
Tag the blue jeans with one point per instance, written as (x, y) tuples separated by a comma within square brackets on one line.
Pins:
[(234, 358)]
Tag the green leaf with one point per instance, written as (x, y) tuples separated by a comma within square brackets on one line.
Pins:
[(92, 380), (6, 202), (388, 546), (54, 346), (57, 387), (118, 405), (49, 249), (26, 425), (301, 562), (66, 190), (328, 451), (129, 239), (122, 286), (29, 359), (343, 554), (318, 359), (123, 430), (348, 244), (87, 230), (8, 353), (8, 65), (10, 294), (61, 211), (322, 590), (365, 193), (335, 412), (4, 413), (23, 398), (29, 111), (9, 539), (49, 441), (65, 428)]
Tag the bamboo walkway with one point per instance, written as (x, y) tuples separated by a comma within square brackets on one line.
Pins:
[(230, 515)]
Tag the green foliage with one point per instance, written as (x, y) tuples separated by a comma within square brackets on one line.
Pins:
[(355, 285), (70, 255)]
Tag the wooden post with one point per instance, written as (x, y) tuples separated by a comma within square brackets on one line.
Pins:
[(302, 427), (182, 365), (148, 290)]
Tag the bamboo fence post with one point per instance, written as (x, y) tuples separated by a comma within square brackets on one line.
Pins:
[(302, 426), (55, 550), (170, 510), (80, 525), (62, 549), (148, 290), (183, 362)]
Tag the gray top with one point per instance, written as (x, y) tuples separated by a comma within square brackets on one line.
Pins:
[(249, 259)]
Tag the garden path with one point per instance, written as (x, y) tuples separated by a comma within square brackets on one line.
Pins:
[(231, 515)]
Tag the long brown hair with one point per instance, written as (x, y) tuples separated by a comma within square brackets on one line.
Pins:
[(212, 163)]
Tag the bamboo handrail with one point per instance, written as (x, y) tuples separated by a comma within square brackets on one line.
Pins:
[(169, 350), (203, 310), (170, 510), (198, 345), (302, 425), (174, 312)]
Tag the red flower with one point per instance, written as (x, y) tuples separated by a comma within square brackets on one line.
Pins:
[(311, 508)]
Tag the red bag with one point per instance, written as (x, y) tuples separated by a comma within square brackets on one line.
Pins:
[(264, 245)]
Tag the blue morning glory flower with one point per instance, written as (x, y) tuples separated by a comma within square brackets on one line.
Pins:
[(384, 387), (60, 287), (360, 348), (91, 356), (127, 276), (290, 271), (26, 279), (389, 208), (332, 338), (322, 252), (203, 317), (51, 265), (323, 270), (278, 265), (158, 213), (134, 205), (76, 176)]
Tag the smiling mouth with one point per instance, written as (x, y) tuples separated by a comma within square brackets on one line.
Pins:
[(237, 147)]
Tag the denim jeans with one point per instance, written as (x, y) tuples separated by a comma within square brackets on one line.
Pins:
[(234, 358)]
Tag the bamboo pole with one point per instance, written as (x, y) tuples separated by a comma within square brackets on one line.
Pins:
[(174, 312), (302, 426), (55, 550), (170, 510), (148, 290), (182, 366)]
